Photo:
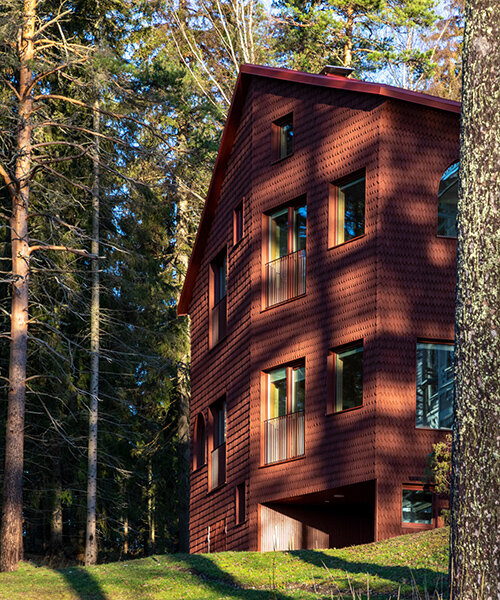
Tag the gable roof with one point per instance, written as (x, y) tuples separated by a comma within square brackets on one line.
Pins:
[(248, 71)]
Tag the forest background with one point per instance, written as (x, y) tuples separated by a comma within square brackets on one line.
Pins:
[(126, 103)]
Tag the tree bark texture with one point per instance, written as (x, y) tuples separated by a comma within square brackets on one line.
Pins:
[(475, 536), (90, 538), (11, 550)]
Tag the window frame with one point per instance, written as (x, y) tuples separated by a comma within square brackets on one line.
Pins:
[(215, 303), (333, 208), (238, 223), (411, 487), (265, 403), (291, 207), (240, 503), (429, 342), (331, 408), (215, 409), (444, 235), (276, 130), (200, 443)]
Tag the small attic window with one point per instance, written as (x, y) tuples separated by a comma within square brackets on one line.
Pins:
[(283, 137)]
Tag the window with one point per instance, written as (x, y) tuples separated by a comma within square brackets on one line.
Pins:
[(286, 267), (218, 444), (199, 443), (217, 299), (283, 137), (346, 378), (434, 385), (347, 211), (240, 509), (238, 223), (448, 201), (284, 424), (417, 507)]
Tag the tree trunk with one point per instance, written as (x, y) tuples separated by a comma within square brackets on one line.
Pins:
[(151, 510), (349, 29), (56, 520), (90, 539), (11, 536), (475, 512)]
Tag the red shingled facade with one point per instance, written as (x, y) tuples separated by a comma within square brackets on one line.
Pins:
[(388, 289)]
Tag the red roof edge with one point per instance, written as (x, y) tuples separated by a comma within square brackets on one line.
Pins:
[(228, 136)]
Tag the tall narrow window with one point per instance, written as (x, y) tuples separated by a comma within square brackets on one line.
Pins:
[(240, 508), (346, 378), (347, 211), (199, 443), (434, 385), (283, 137), (218, 444), (448, 201), (286, 269), (238, 223), (217, 297), (284, 424)]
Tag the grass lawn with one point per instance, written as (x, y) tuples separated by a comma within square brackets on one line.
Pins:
[(309, 574)]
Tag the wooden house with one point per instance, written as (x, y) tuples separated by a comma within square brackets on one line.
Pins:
[(321, 295)]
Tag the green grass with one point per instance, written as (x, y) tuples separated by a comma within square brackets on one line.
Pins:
[(305, 574)]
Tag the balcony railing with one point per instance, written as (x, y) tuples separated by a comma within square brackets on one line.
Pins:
[(284, 437), (218, 466), (286, 277)]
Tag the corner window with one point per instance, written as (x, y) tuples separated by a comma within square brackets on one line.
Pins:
[(448, 202), (283, 137), (346, 378), (435, 386), (284, 423), (240, 509), (218, 444), (217, 299), (286, 268), (238, 223), (347, 211), (417, 507), (199, 443)]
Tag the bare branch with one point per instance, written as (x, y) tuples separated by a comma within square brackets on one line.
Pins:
[(8, 181), (77, 251)]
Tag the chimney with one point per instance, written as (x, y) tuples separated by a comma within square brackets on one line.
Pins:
[(339, 71)]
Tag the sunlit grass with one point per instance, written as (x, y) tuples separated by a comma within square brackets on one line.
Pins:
[(398, 566)]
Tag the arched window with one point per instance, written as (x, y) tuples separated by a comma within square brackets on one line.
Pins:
[(447, 201), (199, 443)]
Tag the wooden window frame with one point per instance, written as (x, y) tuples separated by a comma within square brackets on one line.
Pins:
[(240, 503), (200, 443), (331, 406), (333, 203), (277, 128), (213, 339), (442, 235), (238, 223), (419, 488), (213, 410)]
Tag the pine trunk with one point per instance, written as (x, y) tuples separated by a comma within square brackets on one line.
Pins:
[(90, 539), (475, 514), (11, 550), (56, 520), (349, 31)]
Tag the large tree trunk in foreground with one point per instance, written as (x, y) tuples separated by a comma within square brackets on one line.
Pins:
[(475, 542), (11, 549)]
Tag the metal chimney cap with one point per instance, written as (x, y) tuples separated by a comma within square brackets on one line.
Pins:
[(335, 70)]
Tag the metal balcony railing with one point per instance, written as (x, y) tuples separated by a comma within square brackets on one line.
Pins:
[(286, 277), (218, 466), (284, 437)]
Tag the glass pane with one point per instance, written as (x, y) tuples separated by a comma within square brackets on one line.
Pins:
[(435, 385), (286, 139), (351, 210), (299, 234), (219, 425), (278, 231), (220, 278), (349, 378), (298, 389), (448, 201), (277, 393), (417, 506)]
